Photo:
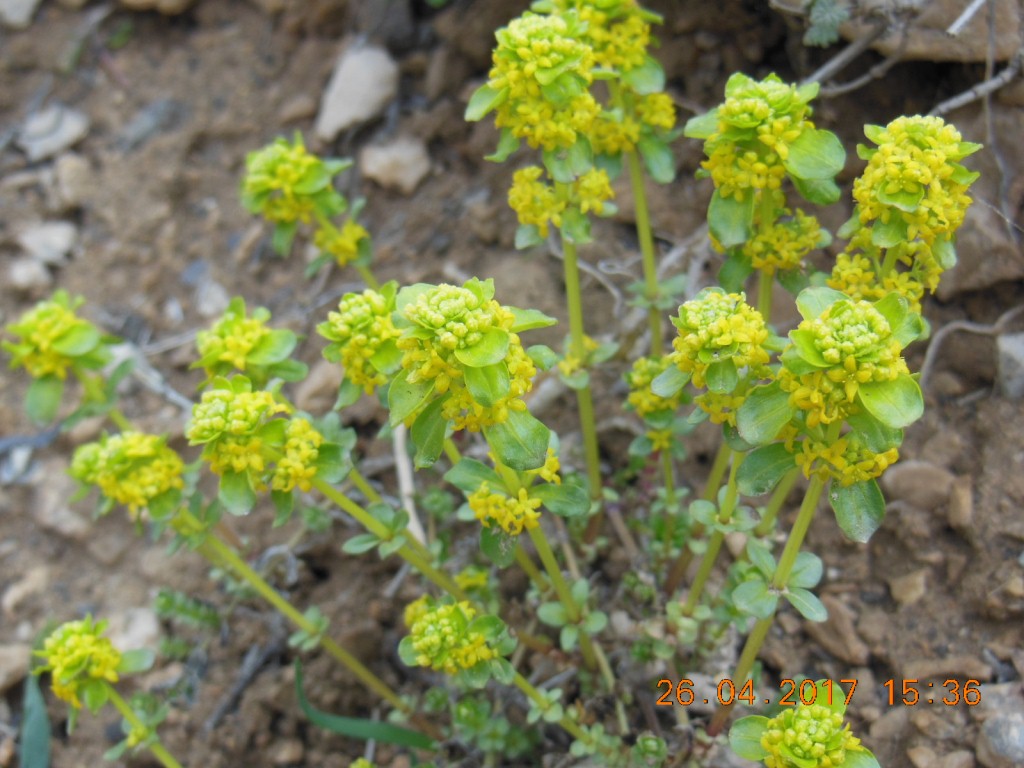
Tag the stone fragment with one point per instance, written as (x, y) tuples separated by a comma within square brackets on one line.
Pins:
[(921, 757), (889, 727), (289, 752), (1000, 741), (14, 662), (51, 130), (959, 759), (49, 241), (318, 391), (211, 298), (29, 276), (74, 179), (400, 164), (960, 512), (1010, 370), (908, 589), (960, 667), (34, 581), (364, 81), (17, 14), (836, 634), (134, 628), (166, 7), (919, 483), (299, 107), (51, 508)]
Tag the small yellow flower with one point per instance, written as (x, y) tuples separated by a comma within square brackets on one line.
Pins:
[(442, 639), (784, 244), (131, 468), (343, 244), (53, 339), (514, 515), (297, 467), (812, 737), (641, 399), (721, 407), (287, 184), (360, 329), (76, 653), (534, 201), (846, 460)]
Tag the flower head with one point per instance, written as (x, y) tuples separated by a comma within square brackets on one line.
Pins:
[(784, 244), (344, 245), (363, 336), (297, 466), (445, 637), (75, 654), (513, 514), (807, 737), (53, 339), (131, 468), (618, 31), (847, 460), (534, 200), (641, 398), (714, 327)]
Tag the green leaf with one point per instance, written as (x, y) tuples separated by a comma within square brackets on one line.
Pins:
[(595, 622), (236, 494), (816, 154), (553, 614), (658, 159), (814, 300), (669, 382), (735, 270), (730, 220), (528, 319), (722, 376), (483, 100), (34, 738), (520, 442), (860, 758), (745, 737), (896, 404), (568, 637), (806, 571), (507, 144), (79, 339), (818, 191), (281, 240), (284, 505), (498, 546), (543, 356), (348, 393), (905, 201), (428, 433), (566, 500), (806, 349), (753, 598), (859, 508), (489, 384), (527, 236), (273, 348), (875, 435), (702, 126), (492, 348), (43, 399), (357, 728), (95, 694), (763, 414), (360, 543), (404, 399), (763, 468), (761, 558), (136, 660), (889, 234), (944, 252), (469, 474), (576, 226), (809, 606), (648, 78)]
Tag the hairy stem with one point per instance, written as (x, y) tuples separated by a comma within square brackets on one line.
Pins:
[(643, 232)]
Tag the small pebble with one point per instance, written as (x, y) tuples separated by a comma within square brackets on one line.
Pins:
[(51, 130), (400, 164), (908, 589), (364, 82), (49, 242), (29, 276), (919, 483)]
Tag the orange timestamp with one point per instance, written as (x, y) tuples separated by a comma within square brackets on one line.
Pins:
[(727, 693)]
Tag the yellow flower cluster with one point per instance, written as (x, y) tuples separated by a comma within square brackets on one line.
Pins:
[(443, 641), (716, 326), (570, 364), (280, 181), (914, 175), (359, 329), (538, 203), (856, 342), (458, 318), (131, 468), (721, 407), (228, 422), (76, 653), (613, 134), (813, 737), (534, 52), (343, 244), (472, 577), (856, 275), (52, 338), (297, 467), (657, 110), (232, 337), (641, 399), (617, 31), (784, 244), (514, 515), (846, 460)]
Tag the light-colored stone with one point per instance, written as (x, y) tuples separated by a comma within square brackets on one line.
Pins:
[(211, 298), (921, 757), (14, 662), (51, 130), (364, 81), (959, 759), (17, 14), (166, 7), (318, 391), (75, 178), (836, 634), (919, 483), (35, 581), (289, 752), (299, 107), (29, 276), (960, 667), (960, 512), (49, 241), (908, 589), (51, 508), (135, 628), (1010, 359), (889, 727), (400, 164), (1001, 741)]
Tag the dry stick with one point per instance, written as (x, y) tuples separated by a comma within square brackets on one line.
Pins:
[(406, 484), (981, 90), (962, 20), (848, 54), (876, 72), (962, 325)]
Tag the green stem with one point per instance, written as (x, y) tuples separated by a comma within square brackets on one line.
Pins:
[(718, 468), (530, 569), (775, 503), (889, 264), (537, 698), (452, 451), (765, 283), (578, 350), (93, 386), (368, 277), (643, 231), (364, 487), (158, 750), (786, 561), (707, 563)]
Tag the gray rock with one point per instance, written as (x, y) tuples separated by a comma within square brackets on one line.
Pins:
[(35, 580), (29, 276), (49, 242), (14, 661), (17, 14), (919, 483), (1001, 741), (74, 179), (1010, 351), (959, 759), (135, 628), (960, 513), (211, 299), (889, 727), (364, 81), (921, 757), (298, 107), (51, 504), (837, 635), (51, 130), (400, 164)]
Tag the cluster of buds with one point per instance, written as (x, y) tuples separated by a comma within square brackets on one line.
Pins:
[(783, 245), (238, 342), (538, 203), (80, 661), (131, 468)]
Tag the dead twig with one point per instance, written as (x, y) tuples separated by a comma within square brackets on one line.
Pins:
[(964, 18), (968, 327), (875, 73), (406, 485), (981, 90), (839, 62)]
